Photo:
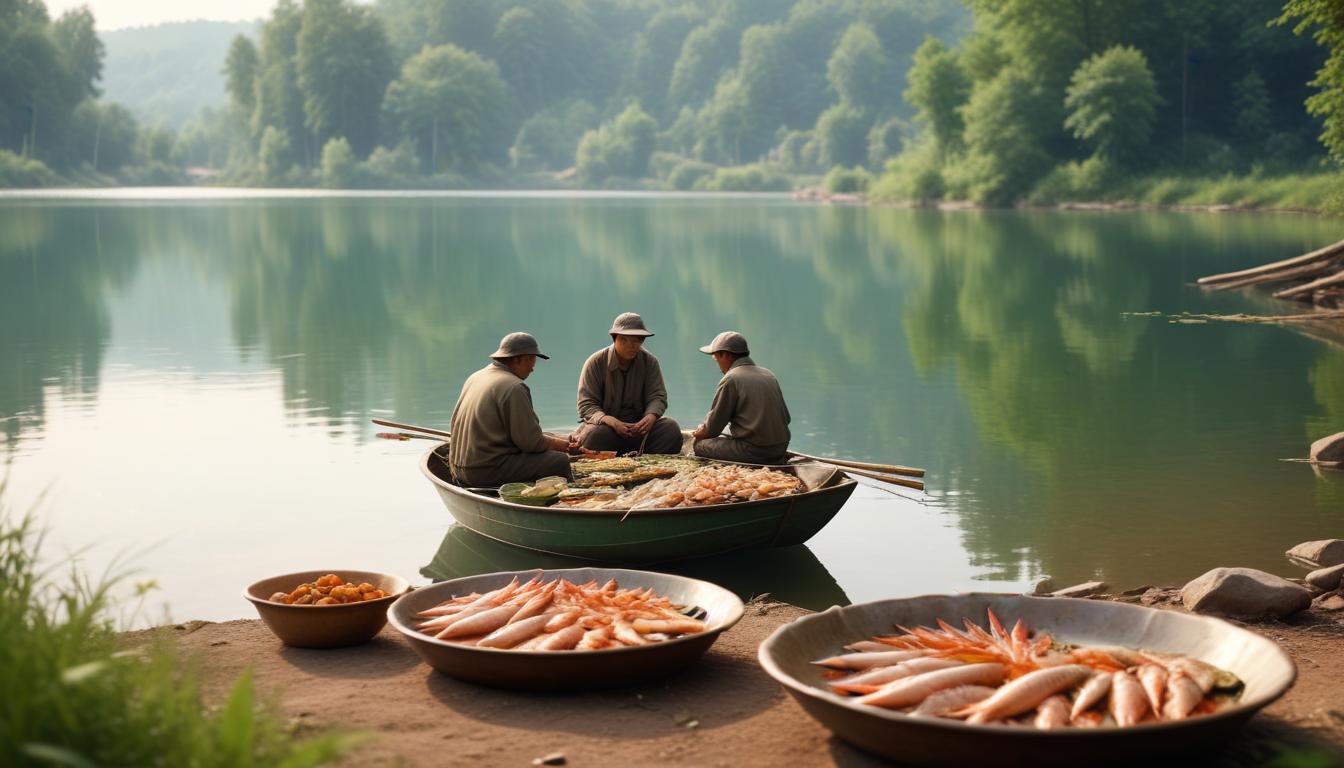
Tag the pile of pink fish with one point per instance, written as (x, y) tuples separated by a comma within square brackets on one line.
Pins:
[(557, 615), (1019, 677)]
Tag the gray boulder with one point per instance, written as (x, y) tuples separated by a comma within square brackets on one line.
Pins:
[(1326, 578), (1086, 589), (1318, 554), (1328, 450), (1244, 593), (1043, 586)]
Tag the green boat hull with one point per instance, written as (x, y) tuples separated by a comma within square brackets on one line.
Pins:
[(647, 535)]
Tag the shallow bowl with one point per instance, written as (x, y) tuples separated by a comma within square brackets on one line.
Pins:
[(573, 670), (325, 626), (787, 654)]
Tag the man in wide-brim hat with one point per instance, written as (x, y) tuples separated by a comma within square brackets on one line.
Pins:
[(497, 438), (622, 397), (749, 402)]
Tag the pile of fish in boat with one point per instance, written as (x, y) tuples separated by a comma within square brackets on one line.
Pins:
[(557, 615), (1019, 677), (671, 481)]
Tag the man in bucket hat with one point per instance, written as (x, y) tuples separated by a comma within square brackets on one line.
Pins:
[(497, 438), (750, 401), (622, 397)]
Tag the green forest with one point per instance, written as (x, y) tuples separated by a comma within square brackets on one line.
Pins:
[(996, 102)]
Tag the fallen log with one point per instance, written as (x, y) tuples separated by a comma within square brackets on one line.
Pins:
[(1333, 279), (1293, 273), (1317, 255)]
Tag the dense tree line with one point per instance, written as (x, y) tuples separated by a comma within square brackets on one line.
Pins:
[(1054, 99), (50, 115), (617, 89)]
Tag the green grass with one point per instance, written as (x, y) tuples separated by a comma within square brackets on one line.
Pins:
[(74, 695)]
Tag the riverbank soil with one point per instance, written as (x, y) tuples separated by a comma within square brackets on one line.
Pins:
[(723, 711)]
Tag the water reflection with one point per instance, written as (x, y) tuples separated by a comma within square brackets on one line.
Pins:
[(791, 574), (990, 347)]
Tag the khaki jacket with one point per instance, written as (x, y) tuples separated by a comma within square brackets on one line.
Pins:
[(493, 419), (749, 399), (630, 394)]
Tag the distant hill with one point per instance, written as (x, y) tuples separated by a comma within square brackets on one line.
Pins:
[(166, 73)]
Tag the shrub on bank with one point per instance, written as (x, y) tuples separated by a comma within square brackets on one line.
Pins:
[(18, 171), (847, 181), (757, 177), (75, 697)]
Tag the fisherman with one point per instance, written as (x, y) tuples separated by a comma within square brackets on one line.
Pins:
[(749, 399), (622, 397), (497, 438)]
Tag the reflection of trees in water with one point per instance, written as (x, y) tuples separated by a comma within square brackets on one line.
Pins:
[(56, 265)]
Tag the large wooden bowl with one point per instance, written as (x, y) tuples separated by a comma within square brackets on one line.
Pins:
[(325, 626), (573, 670), (1265, 668)]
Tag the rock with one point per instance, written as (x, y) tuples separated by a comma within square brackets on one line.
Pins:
[(1086, 589), (1326, 578), (1318, 554), (1330, 601), (1043, 586), (555, 758), (1328, 449), (1137, 591), (1244, 593)]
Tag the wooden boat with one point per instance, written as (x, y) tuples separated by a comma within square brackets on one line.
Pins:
[(644, 536)]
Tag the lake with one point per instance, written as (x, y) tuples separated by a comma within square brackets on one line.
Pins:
[(187, 378)]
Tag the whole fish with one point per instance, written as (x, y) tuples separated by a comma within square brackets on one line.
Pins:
[(1183, 695), (562, 640), (484, 622), (909, 691), (1027, 692), (872, 679), (1128, 701), (1052, 713), (952, 699), (514, 632), (1092, 692), (864, 660), (1154, 681)]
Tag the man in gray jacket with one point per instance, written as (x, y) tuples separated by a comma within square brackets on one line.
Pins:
[(749, 400), (497, 438), (622, 397)]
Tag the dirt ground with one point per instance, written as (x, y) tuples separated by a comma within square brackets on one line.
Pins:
[(723, 711)]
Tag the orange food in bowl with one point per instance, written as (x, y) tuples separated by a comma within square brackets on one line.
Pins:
[(328, 590)]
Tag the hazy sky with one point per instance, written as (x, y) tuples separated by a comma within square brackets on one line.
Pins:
[(116, 14)]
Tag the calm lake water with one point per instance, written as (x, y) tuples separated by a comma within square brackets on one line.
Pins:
[(186, 384)]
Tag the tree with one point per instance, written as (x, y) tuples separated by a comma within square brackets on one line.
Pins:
[(1254, 109), (706, 52), (344, 64), (1005, 129), (240, 74), (275, 156), (1328, 103), (842, 132), (938, 89), (656, 52), (728, 119), (520, 45), (453, 104), (620, 148), (1111, 102), (338, 164), (279, 103), (856, 69), (81, 50)]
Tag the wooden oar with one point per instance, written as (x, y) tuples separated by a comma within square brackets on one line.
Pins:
[(894, 480), (894, 469), (413, 428)]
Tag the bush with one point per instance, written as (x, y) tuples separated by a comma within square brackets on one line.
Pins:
[(17, 171), (688, 172), (74, 697), (1092, 179), (153, 174), (757, 177), (847, 180), (338, 164)]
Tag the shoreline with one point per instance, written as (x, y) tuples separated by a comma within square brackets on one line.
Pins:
[(724, 710)]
